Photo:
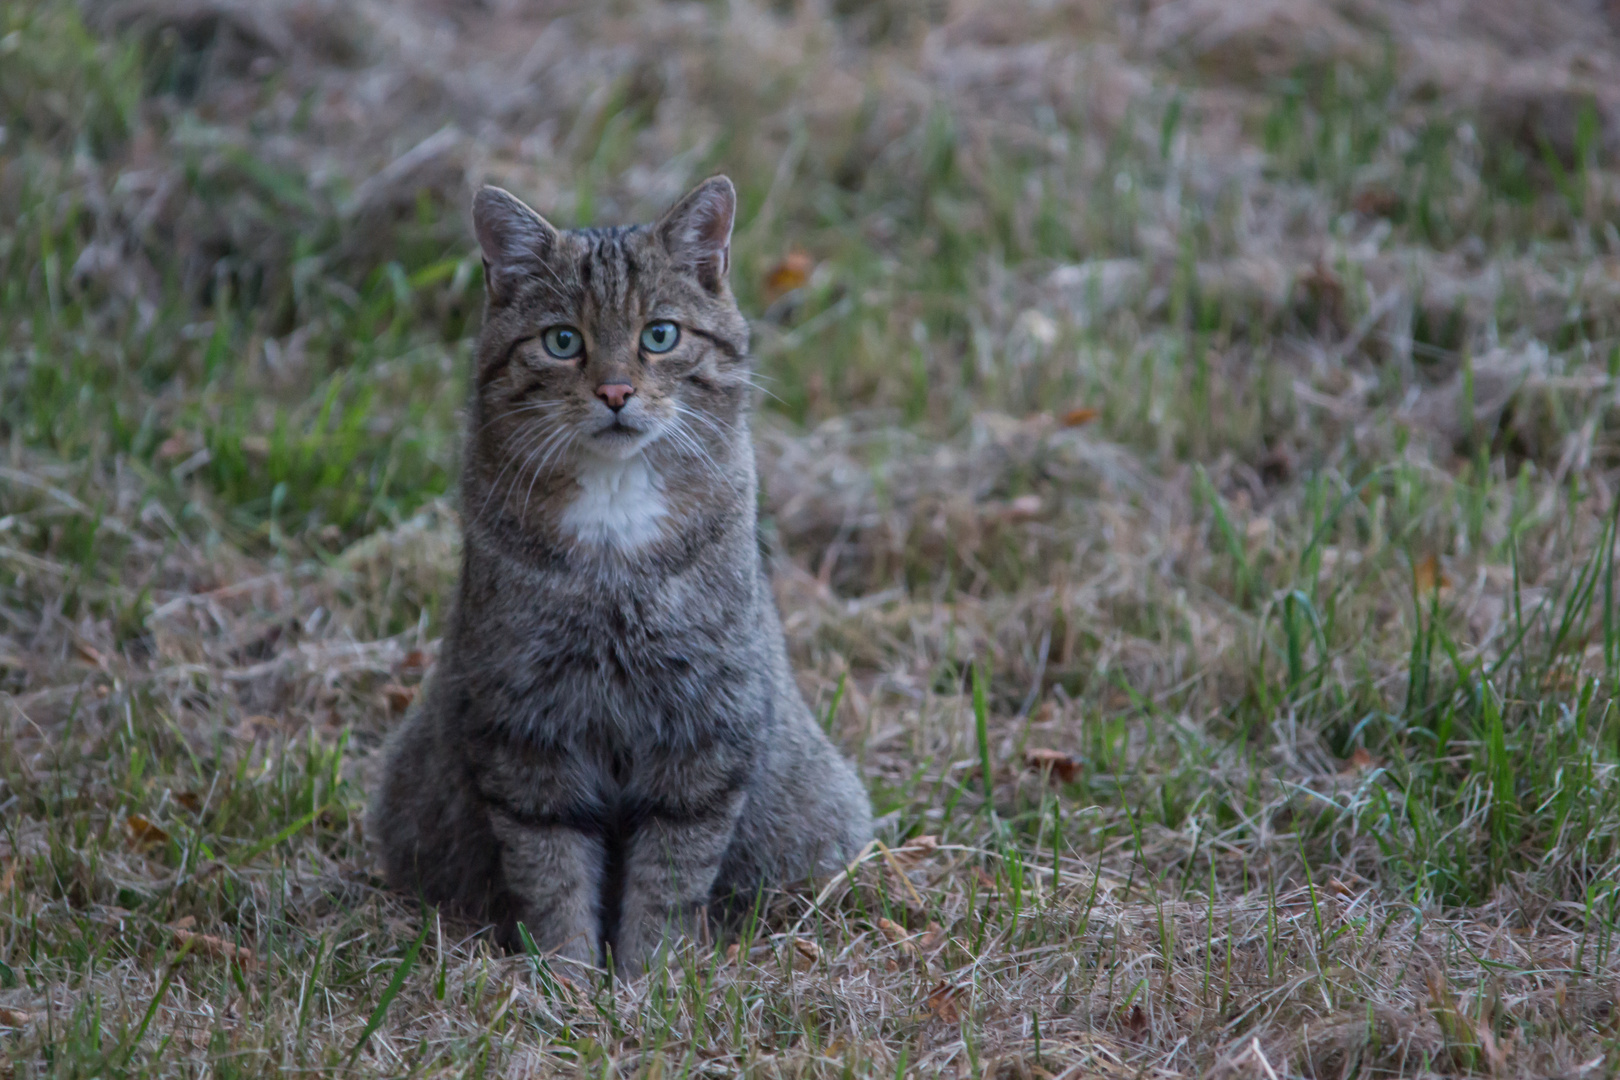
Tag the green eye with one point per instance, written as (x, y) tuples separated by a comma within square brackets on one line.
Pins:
[(563, 342), (660, 337)]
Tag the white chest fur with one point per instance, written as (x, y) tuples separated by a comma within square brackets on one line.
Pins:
[(619, 504)]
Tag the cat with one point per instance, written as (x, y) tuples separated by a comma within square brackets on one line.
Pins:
[(612, 743)]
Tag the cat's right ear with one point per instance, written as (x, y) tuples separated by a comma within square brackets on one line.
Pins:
[(515, 240)]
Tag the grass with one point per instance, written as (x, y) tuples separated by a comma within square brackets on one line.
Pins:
[(1191, 487)]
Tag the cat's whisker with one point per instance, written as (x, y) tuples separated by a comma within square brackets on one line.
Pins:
[(569, 435), (747, 380), (683, 436), (529, 435), (539, 448), (721, 431)]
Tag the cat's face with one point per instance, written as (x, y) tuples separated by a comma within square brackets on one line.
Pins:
[(606, 345)]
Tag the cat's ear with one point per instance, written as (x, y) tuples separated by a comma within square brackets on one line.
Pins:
[(515, 239), (697, 231)]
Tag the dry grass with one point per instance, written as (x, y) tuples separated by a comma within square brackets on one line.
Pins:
[(1190, 461)]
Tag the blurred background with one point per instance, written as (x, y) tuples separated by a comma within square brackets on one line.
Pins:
[(1232, 381)]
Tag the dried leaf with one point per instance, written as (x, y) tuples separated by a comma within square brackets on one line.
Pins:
[(1080, 416), (1376, 202), (1427, 575), (399, 697), (918, 847), (1023, 508), (14, 1018), (257, 727), (90, 654), (142, 833), (1359, 761), (176, 446), (1054, 763), (807, 949), (1137, 1023), (941, 1002), (215, 946), (792, 272)]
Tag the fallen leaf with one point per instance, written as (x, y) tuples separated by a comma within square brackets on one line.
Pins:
[(807, 949), (90, 654), (1080, 416), (175, 447), (257, 727), (399, 697), (1023, 508), (1358, 761), (215, 946), (13, 1018), (918, 847), (1137, 1022), (1055, 763), (1427, 575), (791, 272), (1376, 202), (142, 833), (941, 1002)]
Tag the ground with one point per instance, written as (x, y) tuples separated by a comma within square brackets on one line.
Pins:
[(1190, 454)]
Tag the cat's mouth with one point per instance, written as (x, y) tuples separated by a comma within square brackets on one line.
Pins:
[(618, 438)]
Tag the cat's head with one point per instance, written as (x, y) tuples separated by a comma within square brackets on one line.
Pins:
[(604, 346)]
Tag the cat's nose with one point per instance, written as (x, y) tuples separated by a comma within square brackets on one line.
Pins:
[(614, 395)]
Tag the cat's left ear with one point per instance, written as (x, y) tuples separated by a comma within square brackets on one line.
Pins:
[(697, 231)]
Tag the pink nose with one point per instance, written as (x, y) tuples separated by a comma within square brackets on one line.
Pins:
[(615, 394)]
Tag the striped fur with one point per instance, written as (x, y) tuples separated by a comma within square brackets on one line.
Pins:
[(613, 740)]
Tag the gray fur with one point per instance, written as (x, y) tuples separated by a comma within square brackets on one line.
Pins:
[(613, 740)]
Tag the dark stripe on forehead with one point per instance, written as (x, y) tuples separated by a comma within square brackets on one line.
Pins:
[(632, 272)]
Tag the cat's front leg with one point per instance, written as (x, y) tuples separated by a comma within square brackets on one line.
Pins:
[(670, 866), (553, 879)]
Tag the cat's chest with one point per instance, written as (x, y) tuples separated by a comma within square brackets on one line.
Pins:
[(617, 503)]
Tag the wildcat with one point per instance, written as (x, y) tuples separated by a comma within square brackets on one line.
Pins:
[(613, 741)]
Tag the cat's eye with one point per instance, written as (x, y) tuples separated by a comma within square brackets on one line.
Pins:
[(660, 337), (563, 342)]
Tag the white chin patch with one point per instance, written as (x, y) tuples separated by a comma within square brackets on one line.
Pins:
[(620, 503)]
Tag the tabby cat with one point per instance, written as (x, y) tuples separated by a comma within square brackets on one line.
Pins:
[(612, 742)]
